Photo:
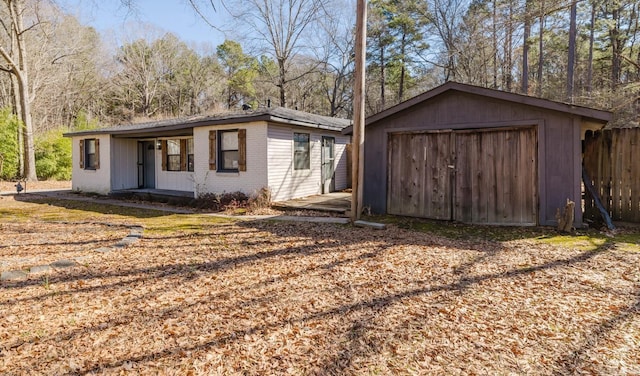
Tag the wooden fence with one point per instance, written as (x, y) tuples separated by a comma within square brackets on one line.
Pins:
[(612, 161)]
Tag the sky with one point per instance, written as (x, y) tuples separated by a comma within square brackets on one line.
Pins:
[(109, 17)]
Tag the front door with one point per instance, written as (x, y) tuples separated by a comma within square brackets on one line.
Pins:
[(328, 166), (146, 164)]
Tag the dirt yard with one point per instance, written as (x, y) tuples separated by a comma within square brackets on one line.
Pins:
[(198, 295)]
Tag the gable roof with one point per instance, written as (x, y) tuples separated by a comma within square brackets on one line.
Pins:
[(185, 125), (586, 112)]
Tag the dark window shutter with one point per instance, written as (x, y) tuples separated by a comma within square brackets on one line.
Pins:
[(81, 153), (212, 150), (242, 150), (97, 155), (183, 155), (163, 144)]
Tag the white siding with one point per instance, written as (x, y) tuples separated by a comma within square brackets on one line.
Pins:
[(174, 180), (94, 181), (341, 179), (124, 162), (287, 183), (249, 181)]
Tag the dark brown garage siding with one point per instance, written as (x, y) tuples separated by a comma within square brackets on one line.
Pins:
[(453, 107)]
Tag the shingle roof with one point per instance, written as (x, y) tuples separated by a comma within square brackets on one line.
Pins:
[(279, 115), (586, 112)]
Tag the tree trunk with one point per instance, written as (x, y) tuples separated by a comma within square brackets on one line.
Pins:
[(15, 91), (402, 69), (495, 46), (571, 56), (382, 80), (19, 69), (525, 48), (565, 216), (540, 47), (281, 82), (616, 48), (29, 146), (509, 50), (592, 31)]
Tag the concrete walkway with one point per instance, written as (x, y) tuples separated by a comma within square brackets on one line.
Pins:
[(337, 202)]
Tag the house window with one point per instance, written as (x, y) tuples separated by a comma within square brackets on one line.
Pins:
[(190, 154), (173, 155), (90, 154), (228, 152), (301, 160)]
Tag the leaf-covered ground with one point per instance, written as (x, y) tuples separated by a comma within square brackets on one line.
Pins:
[(198, 295)]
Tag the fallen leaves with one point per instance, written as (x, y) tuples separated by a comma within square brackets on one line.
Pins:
[(299, 298)]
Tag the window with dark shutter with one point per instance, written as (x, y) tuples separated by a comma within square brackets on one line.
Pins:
[(90, 154), (177, 154), (173, 155), (228, 151)]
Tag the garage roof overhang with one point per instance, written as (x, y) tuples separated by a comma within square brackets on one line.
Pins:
[(588, 114)]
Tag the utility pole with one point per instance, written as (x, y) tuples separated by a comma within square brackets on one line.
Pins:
[(357, 160)]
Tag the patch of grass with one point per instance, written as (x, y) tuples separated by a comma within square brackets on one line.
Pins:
[(45, 282), (154, 221), (82, 208), (585, 240), (181, 222)]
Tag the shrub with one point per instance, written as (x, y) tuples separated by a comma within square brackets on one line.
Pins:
[(9, 150), (53, 156), (221, 201), (260, 199)]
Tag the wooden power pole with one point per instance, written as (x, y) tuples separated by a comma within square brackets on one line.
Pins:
[(357, 160)]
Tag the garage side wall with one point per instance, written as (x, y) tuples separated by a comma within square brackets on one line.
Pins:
[(559, 148)]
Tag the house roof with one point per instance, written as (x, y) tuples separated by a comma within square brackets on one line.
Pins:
[(182, 126), (586, 112)]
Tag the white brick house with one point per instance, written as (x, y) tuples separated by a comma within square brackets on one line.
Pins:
[(293, 153)]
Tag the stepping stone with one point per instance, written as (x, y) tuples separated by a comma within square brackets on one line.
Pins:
[(104, 249), (40, 269), (373, 225), (13, 275), (60, 264), (136, 232)]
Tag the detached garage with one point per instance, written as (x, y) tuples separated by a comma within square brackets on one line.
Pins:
[(477, 155)]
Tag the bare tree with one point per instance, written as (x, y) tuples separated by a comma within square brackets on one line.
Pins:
[(337, 64), (16, 60), (571, 56), (445, 20), (284, 25)]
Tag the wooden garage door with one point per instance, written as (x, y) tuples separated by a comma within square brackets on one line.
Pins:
[(486, 176), (419, 175)]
